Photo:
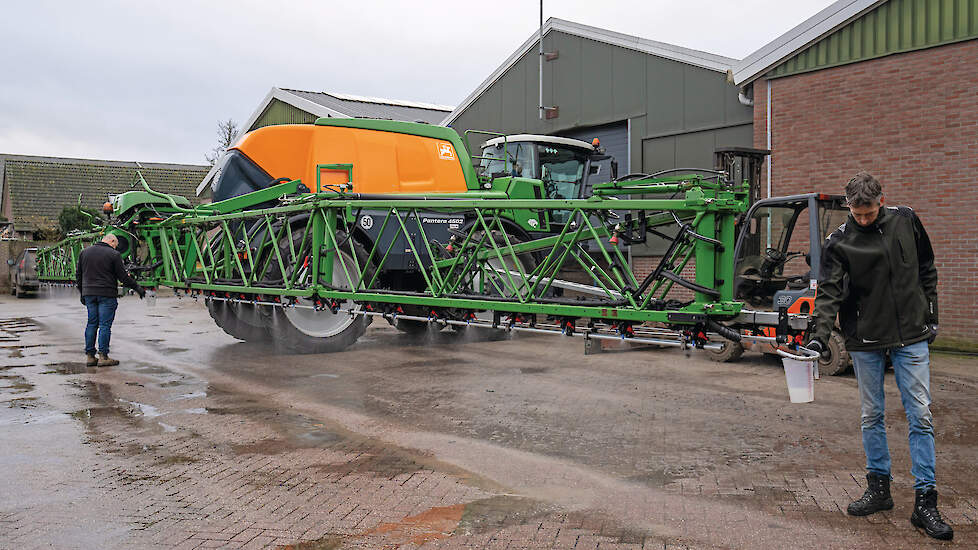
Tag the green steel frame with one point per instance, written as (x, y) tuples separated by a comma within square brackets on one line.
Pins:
[(308, 245)]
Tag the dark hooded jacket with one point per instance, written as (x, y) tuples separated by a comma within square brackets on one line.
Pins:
[(880, 280)]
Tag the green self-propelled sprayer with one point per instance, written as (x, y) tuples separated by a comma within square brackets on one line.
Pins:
[(317, 229)]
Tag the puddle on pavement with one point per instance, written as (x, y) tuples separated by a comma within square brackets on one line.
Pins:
[(191, 395), (482, 516), (11, 367), (107, 406), (69, 367), (14, 383), (22, 403)]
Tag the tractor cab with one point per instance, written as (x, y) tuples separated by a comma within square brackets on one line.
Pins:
[(563, 164), (779, 250)]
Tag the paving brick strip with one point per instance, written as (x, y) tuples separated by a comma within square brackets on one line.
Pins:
[(177, 449)]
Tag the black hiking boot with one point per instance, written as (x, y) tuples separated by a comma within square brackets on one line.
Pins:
[(876, 498), (926, 516), (91, 361), (105, 361)]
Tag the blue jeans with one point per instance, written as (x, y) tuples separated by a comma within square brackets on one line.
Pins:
[(101, 313), (911, 365)]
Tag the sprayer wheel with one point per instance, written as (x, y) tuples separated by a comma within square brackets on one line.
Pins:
[(238, 320), (306, 330)]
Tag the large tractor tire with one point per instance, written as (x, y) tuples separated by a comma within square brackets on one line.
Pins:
[(305, 330), (729, 353), (838, 360), (242, 321)]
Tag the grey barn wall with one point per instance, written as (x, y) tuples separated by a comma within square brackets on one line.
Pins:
[(678, 113)]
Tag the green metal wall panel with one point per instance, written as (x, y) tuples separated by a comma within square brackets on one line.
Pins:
[(594, 84), (896, 26), (279, 112)]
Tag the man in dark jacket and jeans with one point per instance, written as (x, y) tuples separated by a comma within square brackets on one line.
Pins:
[(99, 272), (879, 277)]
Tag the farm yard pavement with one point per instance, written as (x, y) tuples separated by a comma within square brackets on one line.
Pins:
[(449, 441)]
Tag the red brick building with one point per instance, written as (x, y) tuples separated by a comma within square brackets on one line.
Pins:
[(891, 88)]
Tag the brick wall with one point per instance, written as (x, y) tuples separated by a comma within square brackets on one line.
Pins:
[(909, 119), (643, 265)]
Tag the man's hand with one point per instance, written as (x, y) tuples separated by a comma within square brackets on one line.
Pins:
[(142, 292), (933, 333), (818, 346)]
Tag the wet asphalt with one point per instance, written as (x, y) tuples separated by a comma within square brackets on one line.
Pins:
[(540, 446)]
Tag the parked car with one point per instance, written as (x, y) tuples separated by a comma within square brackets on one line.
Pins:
[(23, 273)]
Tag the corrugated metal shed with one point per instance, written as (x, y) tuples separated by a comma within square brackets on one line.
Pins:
[(849, 31), (280, 112), (894, 27), (672, 106)]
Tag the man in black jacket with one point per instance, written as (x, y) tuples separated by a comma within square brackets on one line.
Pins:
[(98, 275), (879, 277)]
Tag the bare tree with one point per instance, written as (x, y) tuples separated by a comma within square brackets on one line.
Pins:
[(227, 130)]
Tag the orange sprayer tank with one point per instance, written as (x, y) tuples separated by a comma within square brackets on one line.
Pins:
[(383, 161)]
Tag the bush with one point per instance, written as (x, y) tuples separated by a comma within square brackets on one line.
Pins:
[(72, 217)]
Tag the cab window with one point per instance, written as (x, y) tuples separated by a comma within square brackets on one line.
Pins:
[(562, 170)]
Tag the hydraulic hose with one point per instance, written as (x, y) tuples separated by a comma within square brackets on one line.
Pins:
[(726, 332)]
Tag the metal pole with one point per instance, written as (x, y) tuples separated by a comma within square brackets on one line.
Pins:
[(540, 63), (771, 154)]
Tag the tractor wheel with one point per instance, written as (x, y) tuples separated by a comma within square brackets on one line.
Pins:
[(838, 360), (729, 353), (306, 330), (242, 321)]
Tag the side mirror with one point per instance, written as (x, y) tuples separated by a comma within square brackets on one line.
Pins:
[(614, 170)]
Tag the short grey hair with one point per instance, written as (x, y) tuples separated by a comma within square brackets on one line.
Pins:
[(863, 190), (110, 238)]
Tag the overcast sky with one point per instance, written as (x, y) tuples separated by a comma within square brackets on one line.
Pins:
[(148, 81)]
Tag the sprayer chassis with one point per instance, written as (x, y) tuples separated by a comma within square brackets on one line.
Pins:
[(310, 251)]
